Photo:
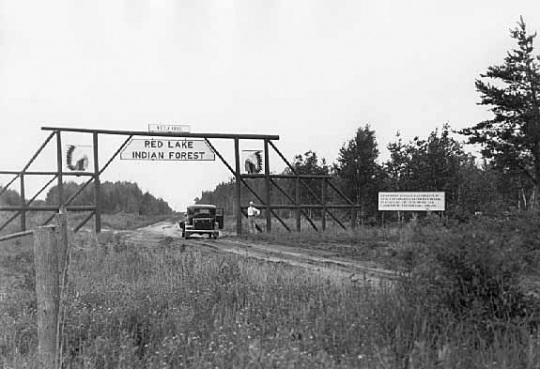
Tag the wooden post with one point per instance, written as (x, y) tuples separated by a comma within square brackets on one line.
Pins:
[(298, 210), (61, 232), (50, 258), (267, 186), (323, 201), (23, 204), (97, 185), (383, 225), (48, 295), (238, 184), (59, 169)]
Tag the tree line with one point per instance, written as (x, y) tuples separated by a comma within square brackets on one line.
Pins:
[(120, 196), (436, 163), (505, 178)]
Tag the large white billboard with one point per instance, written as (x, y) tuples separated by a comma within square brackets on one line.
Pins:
[(411, 201)]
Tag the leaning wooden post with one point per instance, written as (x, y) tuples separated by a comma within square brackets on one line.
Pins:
[(50, 257)]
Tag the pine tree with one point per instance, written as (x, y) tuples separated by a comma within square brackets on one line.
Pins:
[(512, 138), (358, 170)]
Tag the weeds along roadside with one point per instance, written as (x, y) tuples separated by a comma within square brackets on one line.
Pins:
[(135, 308), (469, 281), (160, 307)]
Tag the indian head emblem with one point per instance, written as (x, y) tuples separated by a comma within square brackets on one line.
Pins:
[(76, 158), (252, 161)]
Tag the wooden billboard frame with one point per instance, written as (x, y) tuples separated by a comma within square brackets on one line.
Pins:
[(95, 210)]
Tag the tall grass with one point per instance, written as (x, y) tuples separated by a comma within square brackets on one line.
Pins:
[(202, 310), (168, 307)]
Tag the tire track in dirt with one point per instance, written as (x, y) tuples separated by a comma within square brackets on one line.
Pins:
[(356, 271), (321, 261)]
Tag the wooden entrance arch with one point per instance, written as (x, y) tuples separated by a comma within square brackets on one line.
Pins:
[(94, 176)]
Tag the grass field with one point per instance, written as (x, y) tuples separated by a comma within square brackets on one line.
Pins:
[(170, 307)]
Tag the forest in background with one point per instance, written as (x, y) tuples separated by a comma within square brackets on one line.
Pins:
[(436, 163), (506, 178), (117, 197)]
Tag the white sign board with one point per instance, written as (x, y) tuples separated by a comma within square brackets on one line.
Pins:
[(167, 128), (168, 150), (411, 201)]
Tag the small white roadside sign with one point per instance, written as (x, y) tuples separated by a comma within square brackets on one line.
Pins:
[(411, 201), (168, 150), (169, 128)]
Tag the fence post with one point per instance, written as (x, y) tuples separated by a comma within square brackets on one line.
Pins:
[(62, 240), (50, 258)]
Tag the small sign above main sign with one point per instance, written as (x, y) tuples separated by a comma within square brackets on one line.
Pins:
[(411, 201), (168, 128), (168, 150)]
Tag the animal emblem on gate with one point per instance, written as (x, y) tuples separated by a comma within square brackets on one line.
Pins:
[(253, 161), (76, 158)]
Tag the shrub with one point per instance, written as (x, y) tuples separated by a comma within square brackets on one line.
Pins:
[(473, 272)]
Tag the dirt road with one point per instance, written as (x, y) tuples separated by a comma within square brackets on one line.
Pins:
[(322, 261)]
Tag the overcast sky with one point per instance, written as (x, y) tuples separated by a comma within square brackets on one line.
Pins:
[(312, 72)]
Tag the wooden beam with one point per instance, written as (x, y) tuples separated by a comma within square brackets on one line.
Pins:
[(293, 202), (46, 173), (164, 134), (16, 235)]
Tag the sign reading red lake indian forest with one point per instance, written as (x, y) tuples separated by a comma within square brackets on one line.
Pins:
[(168, 150)]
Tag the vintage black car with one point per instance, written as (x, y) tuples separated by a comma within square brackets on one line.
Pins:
[(202, 219)]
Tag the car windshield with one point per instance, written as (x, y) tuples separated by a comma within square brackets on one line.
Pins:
[(202, 212)]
